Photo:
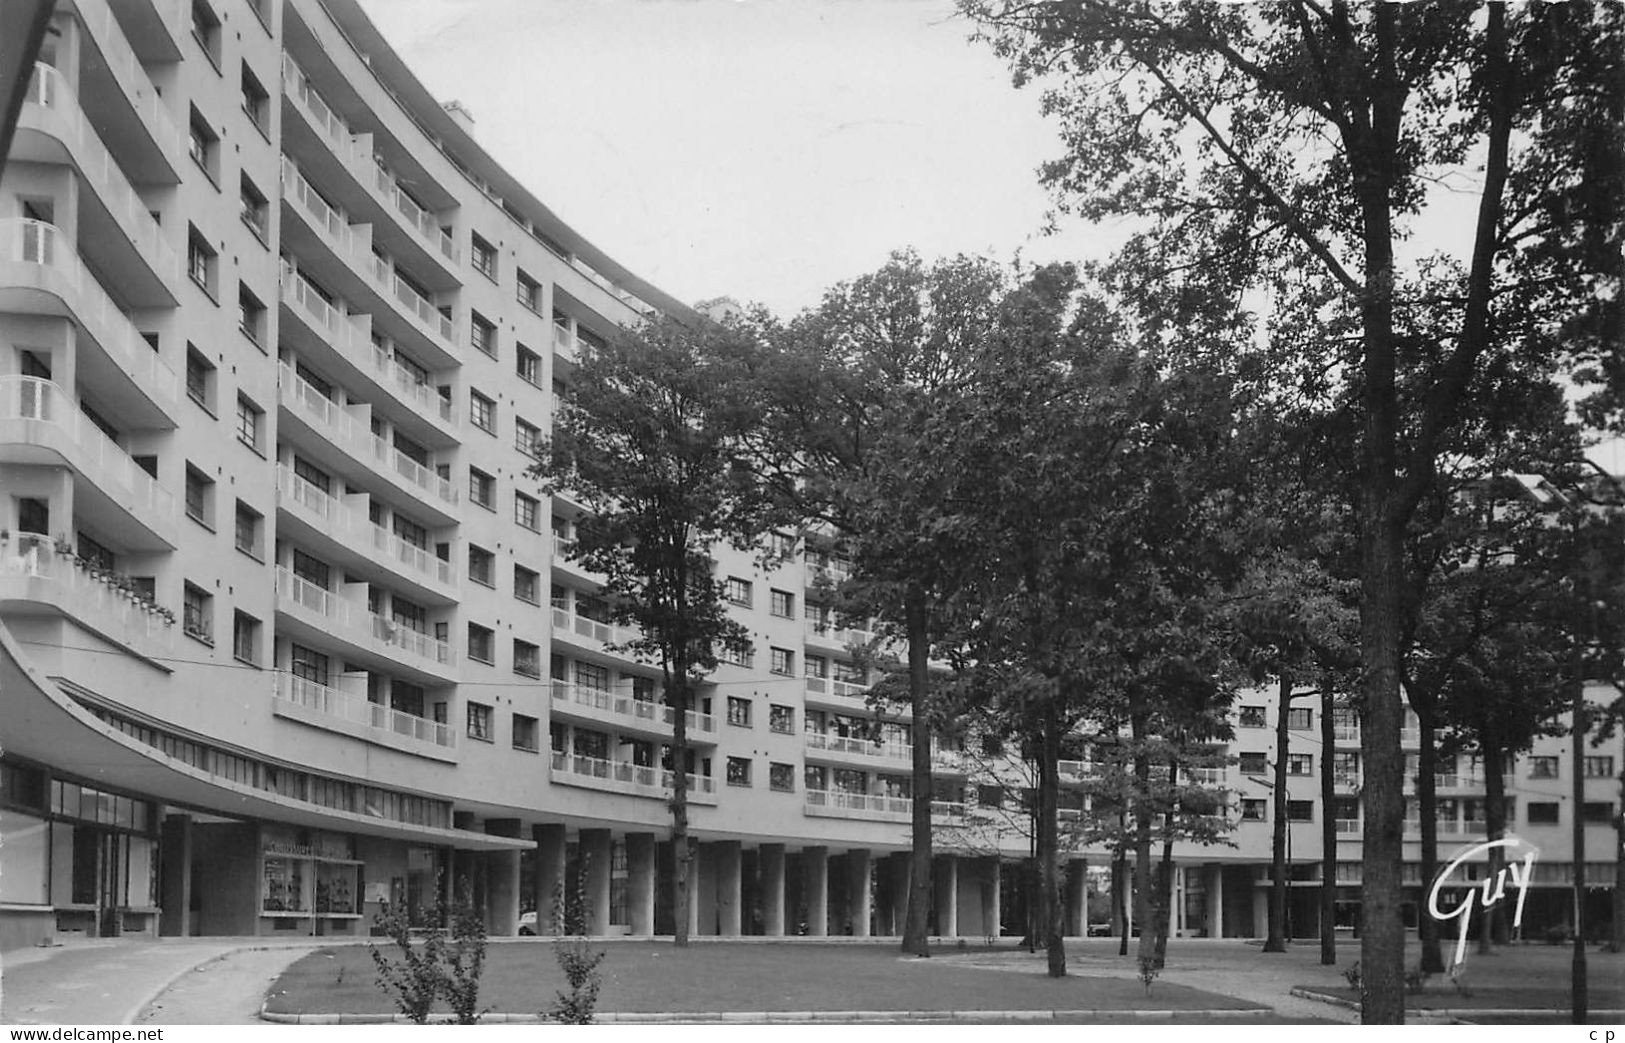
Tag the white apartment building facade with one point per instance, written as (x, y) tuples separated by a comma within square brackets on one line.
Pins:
[(277, 341)]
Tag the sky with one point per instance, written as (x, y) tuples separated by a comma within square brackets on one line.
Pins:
[(757, 149)]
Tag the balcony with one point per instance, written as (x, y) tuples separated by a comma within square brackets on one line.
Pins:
[(114, 221), (1346, 780), (320, 706), (1350, 827), (564, 343), (413, 218), (621, 709), (568, 625), (33, 571), (40, 271), (41, 424), (876, 807), (354, 534), (330, 615), (120, 98), (572, 769), (846, 745)]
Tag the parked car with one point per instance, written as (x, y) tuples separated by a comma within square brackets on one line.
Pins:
[(527, 923)]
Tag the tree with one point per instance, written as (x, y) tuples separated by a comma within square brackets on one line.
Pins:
[(650, 439), (1257, 142)]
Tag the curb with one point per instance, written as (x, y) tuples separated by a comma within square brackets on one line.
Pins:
[(781, 1017), (146, 1001), (1453, 1012)]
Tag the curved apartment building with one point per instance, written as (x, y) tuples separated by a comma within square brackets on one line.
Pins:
[(277, 340)]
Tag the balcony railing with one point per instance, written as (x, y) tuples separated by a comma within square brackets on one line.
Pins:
[(317, 210), (99, 457), (343, 706), (654, 782), (411, 555), (32, 566), (413, 216), (394, 632), (838, 688), (1346, 779), (607, 633), (863, 747), (358, 625), (131, 75), (1348, 827), (49, 89), (318, 111), (415, 473), (623, 704), (345, 525), (843, 804), (564, 342), (25, 241)]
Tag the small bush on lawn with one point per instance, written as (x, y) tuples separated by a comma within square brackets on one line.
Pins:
[(575, 957), (437, 966)]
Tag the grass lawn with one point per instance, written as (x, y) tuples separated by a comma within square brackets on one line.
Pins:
[(1441, 995), (522, 977)]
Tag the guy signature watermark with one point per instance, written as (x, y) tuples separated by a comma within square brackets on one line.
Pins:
[(1489, 892)]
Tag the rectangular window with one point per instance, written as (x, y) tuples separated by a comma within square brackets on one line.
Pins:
[(256, 101), (1253, 809), (199, 378), (481, 566), (782, 603), (1300, 811), (249, 419), (527, 511), (199, 496), (528, 292), (1599, 767), (482, 334), (526, 732), (781, 777), (528, 365), (1255, 764), (738, 591), (1300, 720), (527, 658), (739, 771), (245, 637), (782, 545), (250, 524), (1300, 764), (250, 314), (482, 412), (527, 437), (782, 661), (482, 489), (198, 613), (1253, 717), (781, 719), (200, 261), (527, 584), (738, 711), (1541, 813), (254, 208), (481, 643), (203, 145), (484, 256), (206, 30), (739, 653), (815, 666), (479, 722), (1597, 811), (308, 665), (1543, 767)]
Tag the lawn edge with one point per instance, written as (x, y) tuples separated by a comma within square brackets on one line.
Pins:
[(1309, 992), (780, 1017)]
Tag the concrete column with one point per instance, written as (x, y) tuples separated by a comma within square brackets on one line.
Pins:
[(729, 888), (815, 867), (176, 899), (770, 859), (640, 882), (859, 865), (1128, 900), (549, 839), (947, 880), (990, 896), (596, 863), (1077, 898), (1215, 900), (693, 889), (705, 862), (502, 893), (1261, 915), (899, 870)]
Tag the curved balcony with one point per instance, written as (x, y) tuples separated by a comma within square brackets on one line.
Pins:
[(40, 424), (40, 272), (625, 777), (439, 330), (589, 633), (876, 807), (619, 709), (327, 615), (299, 699), (113, 220), (34, 572), (854, 750), (119, 97)]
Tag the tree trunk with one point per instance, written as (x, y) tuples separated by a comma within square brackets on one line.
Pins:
[(1578, 986), (1119, 882), (1142, 840), (681, 854), (1427, 803), (1276, 942), (1616, 937), (1049, 888), (1328, 828), (1493, 928), (1165, 878), (915, 939)]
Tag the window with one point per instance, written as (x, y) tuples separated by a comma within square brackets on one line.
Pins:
[(739, 653), (738, 590), (527, 584), (1541, 813), (200, 261), (1543, 767), (203, 145), (1599, 811), (254, 208), (992, 746), (739, 771), (256, 102), (782, 661), (484, 256), (482, 411), (250, 523), (781, 719), (1253, 717), (245, 637), (482, 489), (249, 418), (206, 30), (308, 665), (1300, 811), (197, 615), (782, 545), (815, 777), (527, 658), (738, 711), (781, 777), (528, 365), (782, 603), (482, 334), (1599, 767), (199, 496), (479, 722), (527, 511), (481, 566), (526, 732), (250, 314), (481, 643), (1253, 810), (199, 378), (1301, 720), (527, 438), (815, 666), (1255, 764), (1300, 764), (528, 292)]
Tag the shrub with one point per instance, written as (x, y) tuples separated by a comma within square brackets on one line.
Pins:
[(415, 979), (1352, 976), (575, 957), (464, 958), (1148, 972)]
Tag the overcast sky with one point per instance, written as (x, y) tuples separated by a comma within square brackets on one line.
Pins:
[(760, 149)]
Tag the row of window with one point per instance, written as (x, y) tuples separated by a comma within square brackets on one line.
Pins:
[(781, 603), (527, 291), (482, 491), (1348, 763), (1447, 810), (780, 718), (482, 413)]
